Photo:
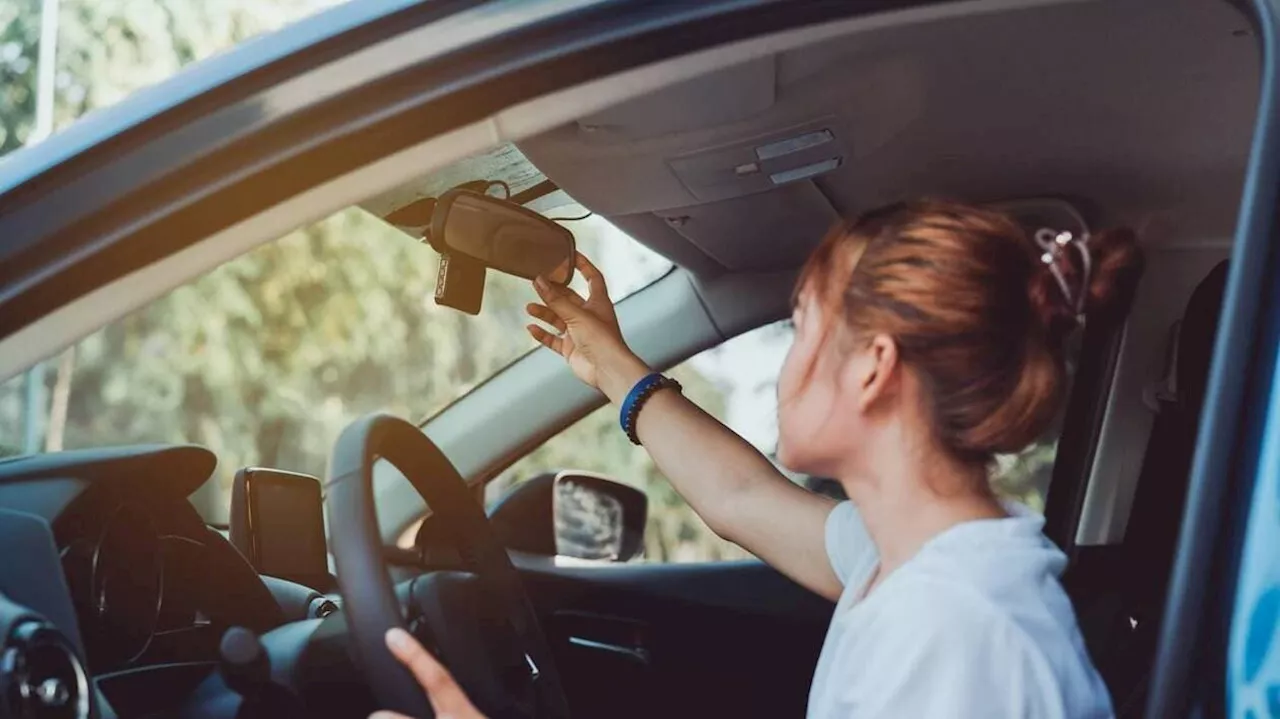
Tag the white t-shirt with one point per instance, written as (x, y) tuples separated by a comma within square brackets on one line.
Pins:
[(975, 625)]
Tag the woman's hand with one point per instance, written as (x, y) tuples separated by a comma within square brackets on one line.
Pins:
[(589, 337), (446, 697)]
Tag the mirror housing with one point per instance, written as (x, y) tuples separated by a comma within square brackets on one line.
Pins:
[(576, 514), (502, 235), (597, 518)]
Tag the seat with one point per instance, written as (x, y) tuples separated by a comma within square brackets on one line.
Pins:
[(1122, 622)]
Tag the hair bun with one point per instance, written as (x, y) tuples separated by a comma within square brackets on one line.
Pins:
[(1115, 263)]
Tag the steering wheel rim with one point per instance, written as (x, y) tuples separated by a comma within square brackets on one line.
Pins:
[(369, 599)]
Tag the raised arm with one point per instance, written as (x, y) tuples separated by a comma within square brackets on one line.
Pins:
[(731, 485)]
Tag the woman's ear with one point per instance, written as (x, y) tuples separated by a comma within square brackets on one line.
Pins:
[(878, 374)]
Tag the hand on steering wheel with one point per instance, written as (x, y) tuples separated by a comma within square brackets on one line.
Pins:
[(446, 697)]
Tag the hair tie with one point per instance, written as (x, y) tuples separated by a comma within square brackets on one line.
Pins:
[(1054, 243)]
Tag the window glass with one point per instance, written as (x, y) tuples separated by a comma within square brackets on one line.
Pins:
[(735, 382)]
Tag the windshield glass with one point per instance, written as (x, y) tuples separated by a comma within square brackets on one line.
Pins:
[(266, 358)]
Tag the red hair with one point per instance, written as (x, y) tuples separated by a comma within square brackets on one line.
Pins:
[(973, 309)]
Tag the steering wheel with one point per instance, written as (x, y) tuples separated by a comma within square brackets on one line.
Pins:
[(479, 622)]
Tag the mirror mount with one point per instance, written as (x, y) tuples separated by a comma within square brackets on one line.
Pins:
[(460, 283)]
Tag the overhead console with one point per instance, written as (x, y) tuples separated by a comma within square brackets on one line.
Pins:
[(761, 163)]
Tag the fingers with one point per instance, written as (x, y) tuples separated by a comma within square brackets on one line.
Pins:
[(566, 303), (550, 341), (387, 715), (546, 315), (595, 279), (447, 698)]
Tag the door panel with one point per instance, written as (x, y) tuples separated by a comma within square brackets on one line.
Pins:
[(679, 640)]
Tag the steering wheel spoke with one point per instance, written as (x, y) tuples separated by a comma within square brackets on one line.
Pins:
[(478, 622)]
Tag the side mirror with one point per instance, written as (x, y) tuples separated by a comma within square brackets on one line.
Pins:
[(502, 235), (598, 518), (572, 514)]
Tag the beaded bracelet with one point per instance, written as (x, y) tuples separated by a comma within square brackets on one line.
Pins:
[(636, 398)]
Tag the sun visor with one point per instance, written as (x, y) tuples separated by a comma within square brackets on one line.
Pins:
[(765, 231), (761, 163)]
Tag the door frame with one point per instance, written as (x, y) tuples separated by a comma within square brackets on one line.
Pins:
[(1190, 667)]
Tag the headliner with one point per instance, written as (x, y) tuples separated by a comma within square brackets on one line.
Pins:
[(1133, 111)]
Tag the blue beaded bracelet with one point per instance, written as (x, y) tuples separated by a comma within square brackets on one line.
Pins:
[(636, 398)]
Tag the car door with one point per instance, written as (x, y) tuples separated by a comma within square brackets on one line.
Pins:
[(717, 639), (1218, 652)]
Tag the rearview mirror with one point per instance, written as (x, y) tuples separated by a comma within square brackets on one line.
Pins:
[(597, 518), (503, 236)]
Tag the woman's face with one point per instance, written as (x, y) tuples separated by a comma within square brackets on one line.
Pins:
[(818, 419)]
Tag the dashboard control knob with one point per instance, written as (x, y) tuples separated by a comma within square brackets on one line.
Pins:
[(246, 669), (244, 663), (321, 607)]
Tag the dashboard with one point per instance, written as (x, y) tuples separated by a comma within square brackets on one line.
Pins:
[(145, 581), (153, 588)]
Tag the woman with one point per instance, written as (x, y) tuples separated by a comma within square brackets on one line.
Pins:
[(929, 338)]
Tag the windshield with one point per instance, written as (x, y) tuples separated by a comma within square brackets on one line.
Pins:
[(266, 358)]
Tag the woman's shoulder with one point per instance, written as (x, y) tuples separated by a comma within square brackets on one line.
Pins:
[(944, 607), (929, 605)]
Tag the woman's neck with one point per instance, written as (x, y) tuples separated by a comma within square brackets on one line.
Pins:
[(905, 505)]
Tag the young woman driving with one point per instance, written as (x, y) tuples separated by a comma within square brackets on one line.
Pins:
[(929, 337)]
